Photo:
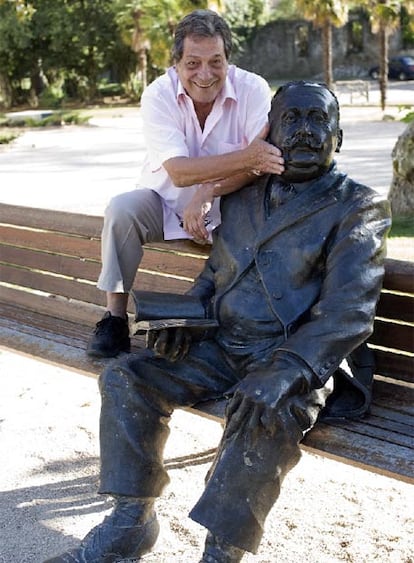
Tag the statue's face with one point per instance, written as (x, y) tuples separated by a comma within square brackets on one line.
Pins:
[(304, 125)]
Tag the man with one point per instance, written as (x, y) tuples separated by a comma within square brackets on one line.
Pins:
[(293, 280), (203, 123)]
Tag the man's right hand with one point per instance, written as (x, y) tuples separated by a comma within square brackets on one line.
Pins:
[(262, 157)]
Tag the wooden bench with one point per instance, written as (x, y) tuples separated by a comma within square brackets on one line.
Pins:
[(49, 304)]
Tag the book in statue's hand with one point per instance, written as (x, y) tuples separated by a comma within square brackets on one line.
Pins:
[(159, 324), (157, 311)]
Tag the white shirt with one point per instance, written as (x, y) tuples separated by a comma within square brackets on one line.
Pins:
[(171, 129)]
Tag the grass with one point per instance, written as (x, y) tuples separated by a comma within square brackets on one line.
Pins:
[(402, 226), (400, 243), (10, 129), (6, 138)]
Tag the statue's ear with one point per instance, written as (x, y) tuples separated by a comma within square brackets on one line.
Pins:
[(340, 137)]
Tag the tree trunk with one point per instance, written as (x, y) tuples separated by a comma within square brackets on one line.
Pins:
[(383, 77), (139, 46), (6, 93), (143, 67), (327, 53)]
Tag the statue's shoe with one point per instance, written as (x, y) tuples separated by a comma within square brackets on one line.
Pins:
[(218, 551), (127, 534)]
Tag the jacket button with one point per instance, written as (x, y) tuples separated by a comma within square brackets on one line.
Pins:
[(277, 294)]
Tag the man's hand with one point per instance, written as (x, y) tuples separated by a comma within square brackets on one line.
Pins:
[(262, 157), (170, 343), (260, 395), (196, 211)]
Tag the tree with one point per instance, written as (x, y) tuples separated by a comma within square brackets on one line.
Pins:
[(385, 18), (80, 36), (15, 45), (147, 27), (325, 14), (243, 17)]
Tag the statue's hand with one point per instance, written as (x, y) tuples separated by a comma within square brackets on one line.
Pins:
[(170, 343), (261, 395)]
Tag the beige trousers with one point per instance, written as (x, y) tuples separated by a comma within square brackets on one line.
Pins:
[(132, 219)]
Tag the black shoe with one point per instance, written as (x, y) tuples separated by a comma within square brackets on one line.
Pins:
[(111, 336), (129, 532), (218, 551)]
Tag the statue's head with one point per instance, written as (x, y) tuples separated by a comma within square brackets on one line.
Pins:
[(304, 124)]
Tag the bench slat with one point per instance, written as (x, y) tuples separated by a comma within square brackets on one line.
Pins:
[(60, 221), (391, 364), (392, 335), (393, 397), (58, 308), (46, 261), (84, 291), (52, 242), (399, 276), (375, 427), (396, 306), (89, 268), (358, 449), (401, 422)]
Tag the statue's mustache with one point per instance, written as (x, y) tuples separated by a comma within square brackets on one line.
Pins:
[(301, 140)]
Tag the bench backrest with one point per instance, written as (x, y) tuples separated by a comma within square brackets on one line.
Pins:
[(50, 261)]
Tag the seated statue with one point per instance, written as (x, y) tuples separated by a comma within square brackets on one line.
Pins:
[(292, 282)]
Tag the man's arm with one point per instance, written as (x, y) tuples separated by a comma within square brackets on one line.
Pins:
[(258, 156), (202, 200), (262, 153)]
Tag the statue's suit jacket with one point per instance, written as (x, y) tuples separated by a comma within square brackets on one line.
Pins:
[(320, 260)]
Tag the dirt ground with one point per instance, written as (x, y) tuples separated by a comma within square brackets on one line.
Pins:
[(328, 512)]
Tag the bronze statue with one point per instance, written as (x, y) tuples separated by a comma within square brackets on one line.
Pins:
[(292, 280)]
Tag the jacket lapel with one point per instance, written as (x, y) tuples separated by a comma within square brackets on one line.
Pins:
[(319, 195)]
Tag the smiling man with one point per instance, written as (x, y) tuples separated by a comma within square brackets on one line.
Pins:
[(204, 123), (292, 282)]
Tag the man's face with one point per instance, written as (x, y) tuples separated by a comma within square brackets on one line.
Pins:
[(203, 68), (304, 125)]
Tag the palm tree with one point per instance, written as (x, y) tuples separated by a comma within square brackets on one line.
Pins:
[(324, 14), (148, 26), (385, 18)]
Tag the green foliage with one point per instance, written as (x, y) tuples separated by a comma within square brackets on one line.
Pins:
[(243, 17), (149, 24), (111, 89), (56, 119), (134, 88), (286, 10), (55, 41), (407, 27), (409, 117), (52, 96), (6, 138)]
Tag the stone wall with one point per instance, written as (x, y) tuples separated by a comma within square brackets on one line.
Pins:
[(293, 49)]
